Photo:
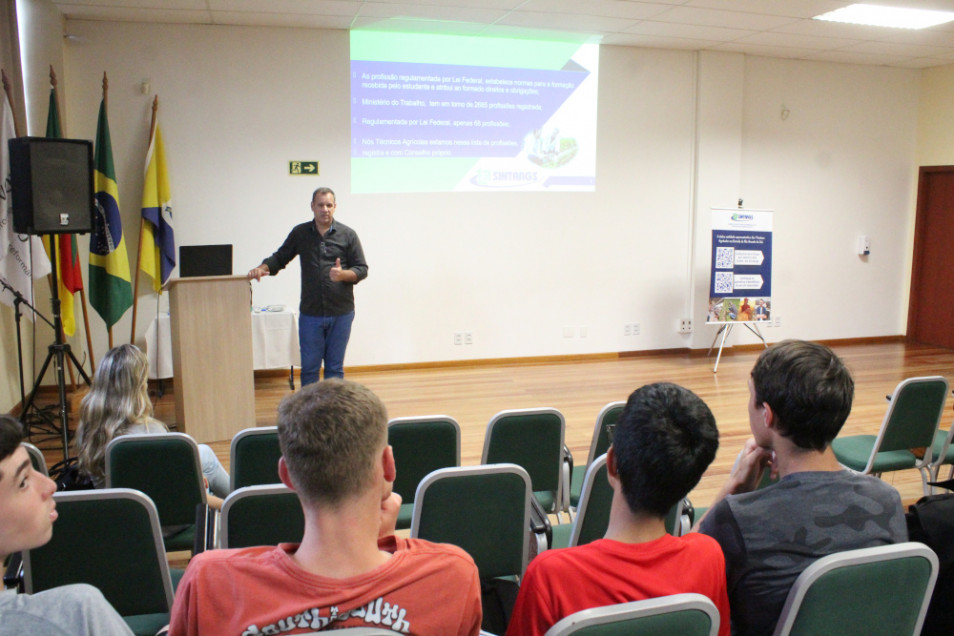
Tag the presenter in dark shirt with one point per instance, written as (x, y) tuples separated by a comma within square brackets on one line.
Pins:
[(332, 263)]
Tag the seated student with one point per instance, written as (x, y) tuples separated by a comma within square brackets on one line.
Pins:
[(800, 395), (27, 513), (664, 440), (349, 569), (118, 404)]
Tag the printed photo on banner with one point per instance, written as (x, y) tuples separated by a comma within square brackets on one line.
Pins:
[(741, 268)]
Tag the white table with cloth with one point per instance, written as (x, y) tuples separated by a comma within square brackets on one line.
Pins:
[(274, 342)]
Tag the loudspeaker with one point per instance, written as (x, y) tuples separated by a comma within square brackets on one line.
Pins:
[(51, 185)]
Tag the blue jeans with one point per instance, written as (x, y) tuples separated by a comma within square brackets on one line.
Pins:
[(323, 338)]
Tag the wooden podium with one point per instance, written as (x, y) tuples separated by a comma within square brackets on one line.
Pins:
[(212, 356)]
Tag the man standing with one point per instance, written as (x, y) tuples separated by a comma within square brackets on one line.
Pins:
[(349, 569), (332, 263), (27, 513), (800, 395)]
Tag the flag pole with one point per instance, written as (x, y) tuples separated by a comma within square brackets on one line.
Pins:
[(13, 113), (109, 329), (132, 337)]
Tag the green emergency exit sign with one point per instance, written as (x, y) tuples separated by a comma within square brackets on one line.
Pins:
[(303, 167)]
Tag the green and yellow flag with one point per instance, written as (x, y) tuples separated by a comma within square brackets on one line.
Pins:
[(110, 289)]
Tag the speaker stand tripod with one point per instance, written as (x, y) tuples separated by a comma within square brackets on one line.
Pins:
[(58, 352)]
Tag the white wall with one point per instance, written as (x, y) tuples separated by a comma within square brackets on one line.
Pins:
[(678, 133)]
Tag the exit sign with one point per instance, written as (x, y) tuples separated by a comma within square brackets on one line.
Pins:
[(303, 167)]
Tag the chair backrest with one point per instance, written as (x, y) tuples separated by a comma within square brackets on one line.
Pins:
[(600, 443), (261, 515), (592, 515), (109, 538), (913, 416), (483, 509), (253, 458), (36, 458), (422, 445), (683, 614), (165, 466), (530, 438), (880, 591)]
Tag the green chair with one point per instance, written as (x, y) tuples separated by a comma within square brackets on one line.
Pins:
[(682, 614), (483, 509), (165, 467), (110, 539), (907, 434), (600, 443), (592, 513), (532, 439), (253, 457), (36, 458), (261, 515), (421, 445), (942, 453), (880, 591)]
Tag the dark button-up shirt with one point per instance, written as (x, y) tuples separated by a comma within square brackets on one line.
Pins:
[(321, 296)]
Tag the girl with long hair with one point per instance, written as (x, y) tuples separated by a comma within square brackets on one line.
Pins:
[(118, 404)]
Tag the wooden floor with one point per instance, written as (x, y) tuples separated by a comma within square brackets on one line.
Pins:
[(579, 389)]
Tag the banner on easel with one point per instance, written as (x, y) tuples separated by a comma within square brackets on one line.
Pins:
[(740, 288)]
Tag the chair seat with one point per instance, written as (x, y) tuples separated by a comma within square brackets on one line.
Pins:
[(546, 499), (561, 535), (576, 485), (854, 451), (182, 540)]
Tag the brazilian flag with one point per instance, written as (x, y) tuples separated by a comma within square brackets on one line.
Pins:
[(110, 289)]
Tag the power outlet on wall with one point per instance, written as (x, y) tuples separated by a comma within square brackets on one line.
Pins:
[(685, 325)]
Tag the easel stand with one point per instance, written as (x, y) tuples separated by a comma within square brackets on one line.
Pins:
[(725, 330), (58, 352)]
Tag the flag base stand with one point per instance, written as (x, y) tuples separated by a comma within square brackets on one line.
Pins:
[(58, 352)]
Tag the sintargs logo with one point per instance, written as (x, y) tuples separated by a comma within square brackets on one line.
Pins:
[(503, 178), (743, 217)]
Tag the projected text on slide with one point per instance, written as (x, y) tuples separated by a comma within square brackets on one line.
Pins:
[(420, 126)]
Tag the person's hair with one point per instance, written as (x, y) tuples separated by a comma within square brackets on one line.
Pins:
[(118, 399), (664, 440), (808, 388), (11, 434), (331, 434), (323, 190)]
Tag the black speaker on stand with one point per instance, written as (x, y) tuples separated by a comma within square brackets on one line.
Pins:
[(52, 193)]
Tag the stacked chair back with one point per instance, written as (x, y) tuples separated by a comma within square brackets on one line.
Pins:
[(261, 515), (166, 468), (682, 614), (907, 434), (110, 539), (532, 439), (599, 444), (881, 591), (421, 445), (483, 509), (253, 458)]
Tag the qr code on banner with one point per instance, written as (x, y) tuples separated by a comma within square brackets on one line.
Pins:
[(725, 257), (723, 283)]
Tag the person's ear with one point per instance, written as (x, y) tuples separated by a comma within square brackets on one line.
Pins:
[(387, 461), (612, 474), (283, 473), (768, 415)]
